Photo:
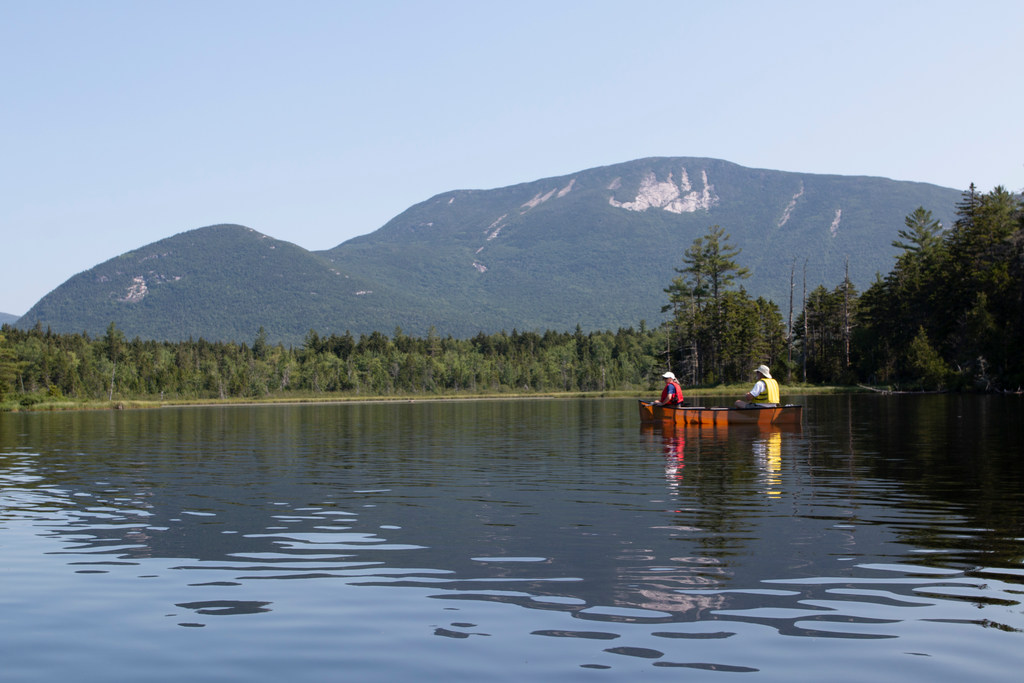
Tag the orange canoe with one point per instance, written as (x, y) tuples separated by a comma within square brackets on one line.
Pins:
[(783, 415)]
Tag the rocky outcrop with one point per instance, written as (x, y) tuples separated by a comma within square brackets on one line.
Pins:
[(669, 195)]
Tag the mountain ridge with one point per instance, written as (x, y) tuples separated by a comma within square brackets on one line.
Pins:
[(594, 248)]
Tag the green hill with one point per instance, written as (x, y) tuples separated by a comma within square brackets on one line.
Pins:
[(594, 248), (219, 282)]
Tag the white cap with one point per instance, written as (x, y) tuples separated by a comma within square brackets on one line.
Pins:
[(763, 369), (669, 375)]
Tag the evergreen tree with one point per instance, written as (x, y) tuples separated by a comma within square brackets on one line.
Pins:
[(718, 332), (921, 234), (824, 330), (9, 365), (954, 299)]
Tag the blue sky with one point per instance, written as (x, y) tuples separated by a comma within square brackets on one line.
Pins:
[(125, 122)]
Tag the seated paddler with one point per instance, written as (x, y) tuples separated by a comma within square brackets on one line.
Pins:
[(672, 394), (764, 393)]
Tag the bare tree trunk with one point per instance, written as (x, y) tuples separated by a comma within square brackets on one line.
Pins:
[(789, 326), (806, 340), (694, 348), (668, 350), (846, 314)]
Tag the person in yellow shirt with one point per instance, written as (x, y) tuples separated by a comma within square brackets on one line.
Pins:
[(765, 392)]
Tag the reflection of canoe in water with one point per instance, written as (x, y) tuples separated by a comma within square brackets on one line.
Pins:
[(783, 415)]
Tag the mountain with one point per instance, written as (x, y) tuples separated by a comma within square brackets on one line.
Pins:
[(220, 283), (594, 248), (7, 318)]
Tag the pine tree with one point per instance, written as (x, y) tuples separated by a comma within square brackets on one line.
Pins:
[(718, 329)]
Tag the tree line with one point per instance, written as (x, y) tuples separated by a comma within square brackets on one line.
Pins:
[(950, 315), (37, 363)]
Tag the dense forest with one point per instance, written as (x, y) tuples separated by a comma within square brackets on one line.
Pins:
[(949, 316), (37, 363)]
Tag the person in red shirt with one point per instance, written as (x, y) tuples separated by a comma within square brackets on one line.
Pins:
[(672, 394)]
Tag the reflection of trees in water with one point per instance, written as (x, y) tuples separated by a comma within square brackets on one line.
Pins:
[(953, 452), (577, 542), (495, 515)]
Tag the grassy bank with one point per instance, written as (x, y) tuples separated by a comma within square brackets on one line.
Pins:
[(43, 403)]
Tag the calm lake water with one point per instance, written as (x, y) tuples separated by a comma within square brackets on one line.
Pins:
[(494, 540)]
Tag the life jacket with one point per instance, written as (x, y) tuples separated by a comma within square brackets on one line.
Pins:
[(770, 393), (676, 398)]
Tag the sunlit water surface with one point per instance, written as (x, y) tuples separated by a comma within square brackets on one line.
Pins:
[(494, 540)]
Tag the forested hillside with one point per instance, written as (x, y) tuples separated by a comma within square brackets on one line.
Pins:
[(594, 248), (221, 282)]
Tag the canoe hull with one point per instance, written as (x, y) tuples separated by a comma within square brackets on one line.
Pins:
[(767, 417)]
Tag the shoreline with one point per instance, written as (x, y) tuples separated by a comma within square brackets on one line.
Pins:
[(73, 405)]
